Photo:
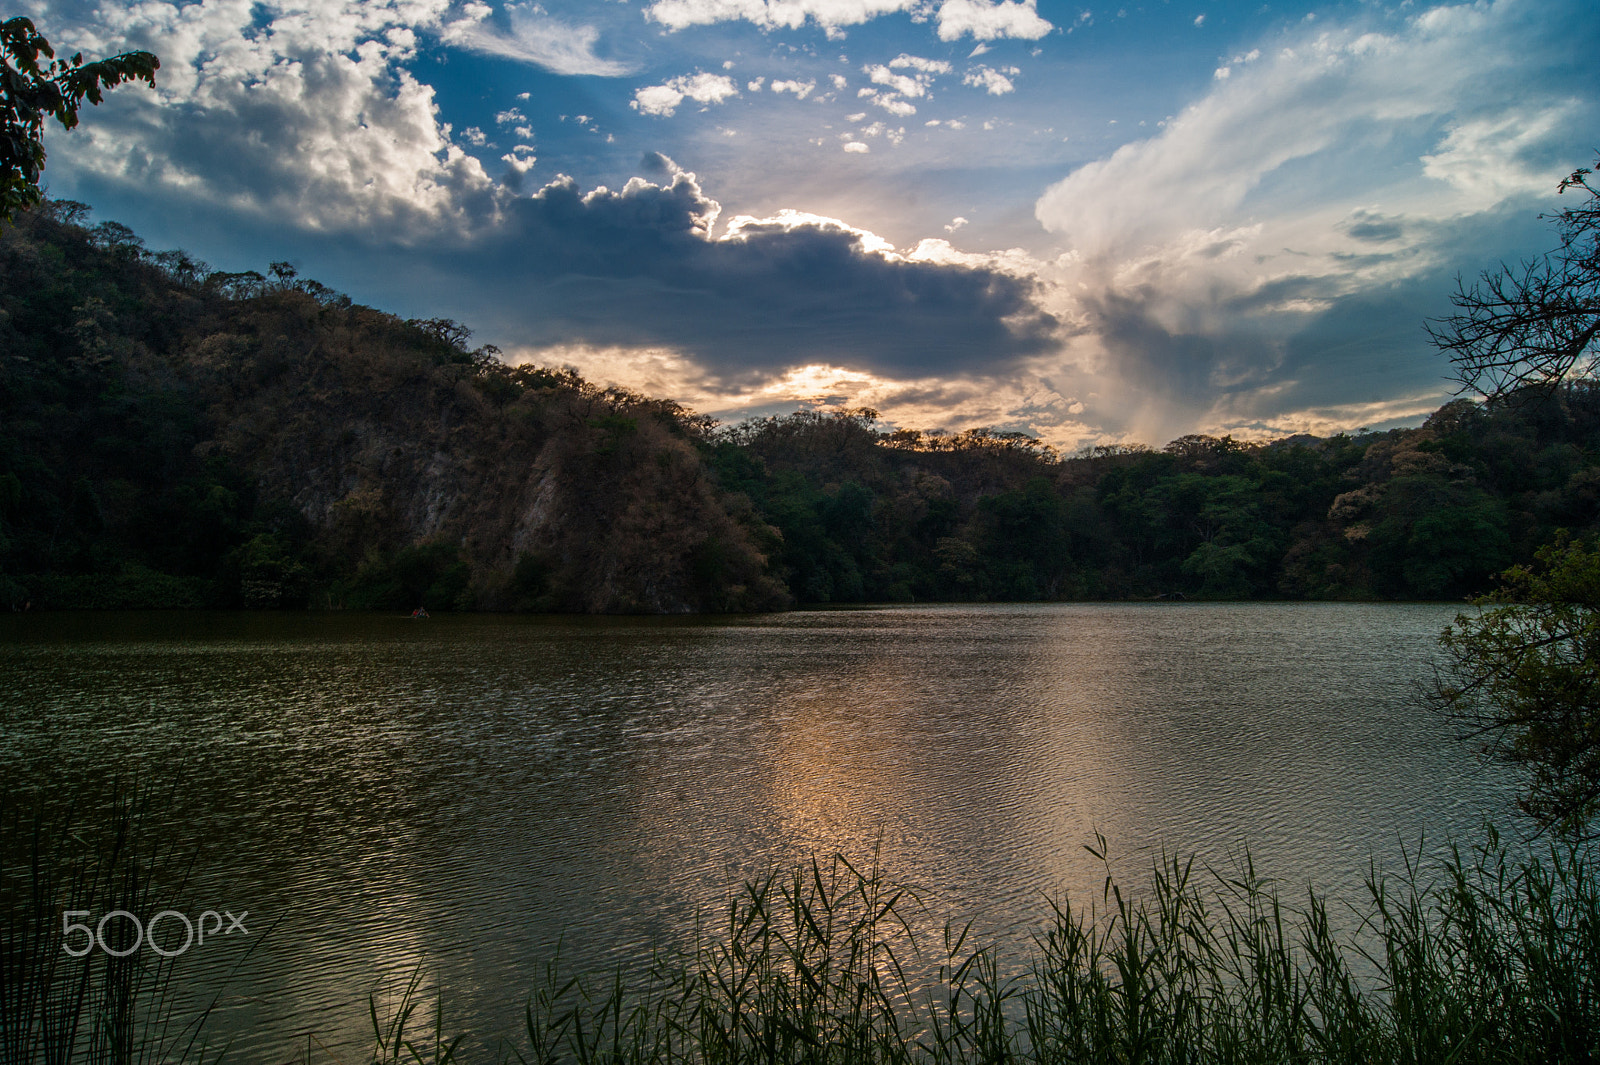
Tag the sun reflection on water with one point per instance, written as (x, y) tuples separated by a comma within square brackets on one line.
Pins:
[(471, 795)]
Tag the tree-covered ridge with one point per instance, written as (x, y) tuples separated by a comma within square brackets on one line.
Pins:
[(172, 436), (1408, 514), (175, 436)]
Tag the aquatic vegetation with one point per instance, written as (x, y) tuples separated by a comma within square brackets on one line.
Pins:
[(1494, 958), (1489, 954), (62, 1001)]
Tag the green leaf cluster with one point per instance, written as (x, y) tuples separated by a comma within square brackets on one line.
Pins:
[(35, 86), (1523, 675)]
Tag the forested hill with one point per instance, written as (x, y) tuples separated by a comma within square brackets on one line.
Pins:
[(176, 437)]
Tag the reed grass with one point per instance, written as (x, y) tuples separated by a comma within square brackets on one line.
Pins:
[(1491, 954), (1493, 958), (56, 1009)]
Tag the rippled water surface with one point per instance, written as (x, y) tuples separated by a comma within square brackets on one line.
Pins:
[(467, 792)]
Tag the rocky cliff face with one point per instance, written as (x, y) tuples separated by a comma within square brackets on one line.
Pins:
[(600, 496)]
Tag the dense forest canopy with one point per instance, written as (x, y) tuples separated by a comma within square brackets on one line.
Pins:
[(180, 437)]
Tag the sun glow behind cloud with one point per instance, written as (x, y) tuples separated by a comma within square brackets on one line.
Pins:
[(918, 403), (1257, 261)]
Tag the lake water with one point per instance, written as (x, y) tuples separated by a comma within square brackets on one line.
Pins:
[(464, 793)]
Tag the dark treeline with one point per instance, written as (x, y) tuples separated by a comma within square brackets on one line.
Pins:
[(171, 436), (1424, 513), (178, 437)]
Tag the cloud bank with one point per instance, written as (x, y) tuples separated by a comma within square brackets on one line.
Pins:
[(985, 20), (310, 119), (304, 114), (1270, 227), (1261, 263), (644, 266)]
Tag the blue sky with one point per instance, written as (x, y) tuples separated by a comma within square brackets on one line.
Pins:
[(1092, 223)]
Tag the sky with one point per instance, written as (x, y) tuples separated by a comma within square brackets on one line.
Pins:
[(1091, 223)]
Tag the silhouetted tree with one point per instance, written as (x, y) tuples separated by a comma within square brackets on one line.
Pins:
[(31, 92), (1537, 325)]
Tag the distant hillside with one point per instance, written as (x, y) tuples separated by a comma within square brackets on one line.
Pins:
[(176, 437), (172, 436), (1428, 513)]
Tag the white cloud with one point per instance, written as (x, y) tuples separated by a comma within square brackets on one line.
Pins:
[(313, 117), (1198, 254), (709, 88), (743, 226), (890, 102), (1489, 158), (772, 14), (1333, 98), (754, 85), (988, 21), (474, 136), (982, 19), (840, 82), (993, 81), (856, 146), (912, 85), (927, 66), (534, 38), (802, 89), (521, 158), (955, 223), (900, 86), (660, 100), (663, 100)]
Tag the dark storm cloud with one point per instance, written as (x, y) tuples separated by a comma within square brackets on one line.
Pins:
[(1180, 371), (1277, 292), (1259, 364), (1374, 228), (638, 267)]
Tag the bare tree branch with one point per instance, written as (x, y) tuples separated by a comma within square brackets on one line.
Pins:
[(1536, 326)]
